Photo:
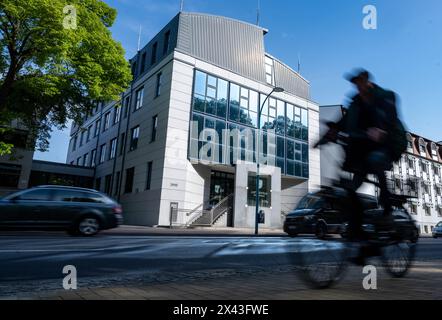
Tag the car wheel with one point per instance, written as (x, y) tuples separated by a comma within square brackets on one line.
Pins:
[(435, 237), (321, 231), (293, 234), (88, 226)]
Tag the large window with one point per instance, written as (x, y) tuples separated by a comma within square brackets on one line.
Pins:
[(166, 45), (134, 136), (153, 58), (85, 160), (154, 128), (129, 180), (108, 184), (143, 62), (270, 78), (81, 138), (126, 106), (122, 143), (93, 157), (243, 105), (297, 122), (106, 121), (102, 153), (139, 98), (97, 128), (159, 84), (113, 149), (149, 175), (427, 210), (88, 134), (117, 113), (210, 95), (221, 105), (207, 130)]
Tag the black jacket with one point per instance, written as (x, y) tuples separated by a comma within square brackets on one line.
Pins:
[(380, 113)]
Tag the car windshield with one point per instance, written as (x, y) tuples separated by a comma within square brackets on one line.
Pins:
[(310, 202)]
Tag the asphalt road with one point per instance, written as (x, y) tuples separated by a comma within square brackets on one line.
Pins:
[(32, 263)]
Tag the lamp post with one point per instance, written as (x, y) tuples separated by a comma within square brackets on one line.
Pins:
[(276, 89)]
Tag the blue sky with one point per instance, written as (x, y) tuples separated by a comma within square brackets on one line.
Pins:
[(404, 53)]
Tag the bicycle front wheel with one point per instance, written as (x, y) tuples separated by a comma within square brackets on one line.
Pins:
[(397, 257), (322, 263)]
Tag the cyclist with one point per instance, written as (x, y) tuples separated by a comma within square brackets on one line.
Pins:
[(375, 140)]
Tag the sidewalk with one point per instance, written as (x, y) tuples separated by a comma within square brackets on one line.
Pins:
[(422, 283), (198, 231)]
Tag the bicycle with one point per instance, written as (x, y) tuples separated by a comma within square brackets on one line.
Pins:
[(323, 263)]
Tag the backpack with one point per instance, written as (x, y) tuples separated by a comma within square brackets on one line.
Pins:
[(398, 140)]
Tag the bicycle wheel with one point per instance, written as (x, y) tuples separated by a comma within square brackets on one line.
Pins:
[(322, 263), (397, 257)]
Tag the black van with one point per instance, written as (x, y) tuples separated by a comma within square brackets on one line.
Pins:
[(319, 214)]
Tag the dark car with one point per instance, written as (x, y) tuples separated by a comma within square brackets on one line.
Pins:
[(319, 214), (404, 223), (76, 210)]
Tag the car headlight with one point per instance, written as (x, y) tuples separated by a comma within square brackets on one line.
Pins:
[(308, 218)]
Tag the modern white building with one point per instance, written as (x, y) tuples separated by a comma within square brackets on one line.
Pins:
[(418, 174), (179, 147)]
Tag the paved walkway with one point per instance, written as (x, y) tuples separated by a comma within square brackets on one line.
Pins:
[(423, 282), (198, 231)]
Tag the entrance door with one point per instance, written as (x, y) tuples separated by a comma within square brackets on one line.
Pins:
[(222, 185)]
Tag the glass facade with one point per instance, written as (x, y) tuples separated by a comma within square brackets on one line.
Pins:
[(221, 108)]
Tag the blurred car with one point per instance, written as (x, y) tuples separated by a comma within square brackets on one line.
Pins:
[(404, 223), (318, 213), (437, 231), (77, 210)]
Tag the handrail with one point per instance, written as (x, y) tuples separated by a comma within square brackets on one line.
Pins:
[(210, 217), (224, 205), (199, 206)]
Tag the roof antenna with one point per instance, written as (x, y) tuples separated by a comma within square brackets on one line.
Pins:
[(299, 63), (258, 12), (139, 38), (182, 6)]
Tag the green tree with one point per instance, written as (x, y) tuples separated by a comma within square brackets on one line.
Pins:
[(57, 58)]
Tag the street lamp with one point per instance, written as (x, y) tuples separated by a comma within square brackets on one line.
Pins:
[(276, 89)]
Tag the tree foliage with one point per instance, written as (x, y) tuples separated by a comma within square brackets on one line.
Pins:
[(49, 73)]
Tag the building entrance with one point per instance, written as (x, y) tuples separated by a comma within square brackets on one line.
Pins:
[(222, 185)]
